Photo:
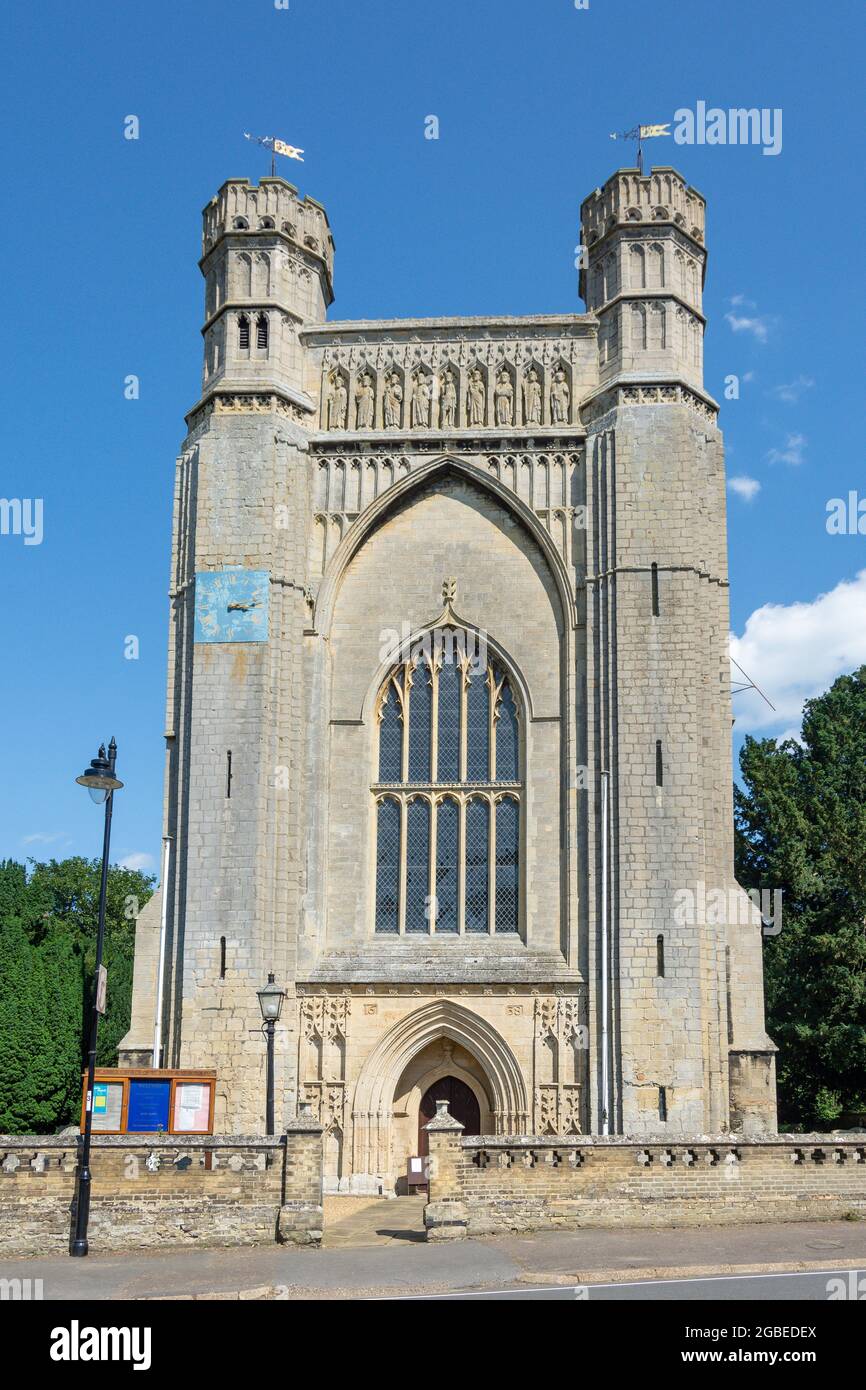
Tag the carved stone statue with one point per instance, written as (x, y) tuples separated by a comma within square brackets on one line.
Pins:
[(532, 398), (477, 396), (338, 400), (559, 398), (393, 400), (364, 398), (448, 401), (421, 400), (503, 396)]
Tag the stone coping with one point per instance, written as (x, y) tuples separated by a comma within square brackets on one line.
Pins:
[(149, 1141), (620, 1141), (340, 327)]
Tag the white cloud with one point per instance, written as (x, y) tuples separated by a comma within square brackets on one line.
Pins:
[(792, 451), (742, 323), (40, 837), (795, 651), (791, 391), (739, 301), (747, 488), (137, 861)]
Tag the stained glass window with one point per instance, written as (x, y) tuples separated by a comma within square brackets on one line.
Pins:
[(417, 866), (447, 864), (506, 737), (388, 867), (391, 739), (507, 886), (477, 728), (420, 710), (477, 865)]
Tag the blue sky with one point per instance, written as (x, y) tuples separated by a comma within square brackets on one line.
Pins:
[(101, 237)]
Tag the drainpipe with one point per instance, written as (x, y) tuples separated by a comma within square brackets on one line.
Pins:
[(160, 969), (605, 963)]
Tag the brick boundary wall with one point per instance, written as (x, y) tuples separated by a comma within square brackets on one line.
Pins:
[(164, 1190), (483, 1186)]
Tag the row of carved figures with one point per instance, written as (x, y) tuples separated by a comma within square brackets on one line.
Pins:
[(422, 399)]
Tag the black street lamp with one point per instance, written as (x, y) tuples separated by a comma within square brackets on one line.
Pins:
[(270, 1002), (100, 781)]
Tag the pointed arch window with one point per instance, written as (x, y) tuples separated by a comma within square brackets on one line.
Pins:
[(262, 332), (243, 333), (448, 791)]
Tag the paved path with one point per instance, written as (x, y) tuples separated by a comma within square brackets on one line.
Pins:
[(376, 1223), (555, 1259)]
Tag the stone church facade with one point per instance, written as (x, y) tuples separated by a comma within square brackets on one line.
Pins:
[(448, 716)]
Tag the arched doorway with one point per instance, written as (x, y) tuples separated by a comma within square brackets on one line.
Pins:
[(462, 1106)]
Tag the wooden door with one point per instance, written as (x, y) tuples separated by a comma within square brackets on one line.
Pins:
[(462, 1106)]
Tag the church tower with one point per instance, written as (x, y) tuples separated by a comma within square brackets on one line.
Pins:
[(448, 722), (685, 942)]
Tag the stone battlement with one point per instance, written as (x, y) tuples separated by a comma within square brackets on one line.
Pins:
[(273, 205), (628, 196)]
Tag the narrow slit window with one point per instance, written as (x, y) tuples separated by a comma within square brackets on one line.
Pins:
[(660, 956), (663, 1104), (228, 772), (222, 957), (659, 766), (244, 333), (655, 589)]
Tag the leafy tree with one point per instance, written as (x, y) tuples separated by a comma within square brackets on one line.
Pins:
[(25, 1042), (801, 827), (48, 924)]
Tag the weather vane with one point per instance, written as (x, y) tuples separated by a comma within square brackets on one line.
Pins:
[(641, 133), (276, 147)]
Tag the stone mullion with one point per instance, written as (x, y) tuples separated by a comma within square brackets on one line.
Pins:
[(491, 868), (461, 866), (404, 766), (491, 722), (432, 897), (463, 704)]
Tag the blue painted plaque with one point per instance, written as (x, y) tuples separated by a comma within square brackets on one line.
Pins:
[(148, 1106), (232, 606)]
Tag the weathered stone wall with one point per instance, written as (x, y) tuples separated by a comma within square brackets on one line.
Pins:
[(165, 1191), (553, 507), (480, 1186)]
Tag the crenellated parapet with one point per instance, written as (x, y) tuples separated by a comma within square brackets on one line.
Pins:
[(631, 197), (273, 205)]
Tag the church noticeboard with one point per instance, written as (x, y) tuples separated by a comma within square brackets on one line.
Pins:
[(107, 1106), (147, 1108), (146, 1101)]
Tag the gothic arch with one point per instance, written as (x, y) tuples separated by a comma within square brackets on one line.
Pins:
[(376, 512), (448, 618), (383, 1068)]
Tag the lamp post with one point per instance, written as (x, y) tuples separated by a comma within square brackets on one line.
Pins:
[(100, 781), (270, 1002)]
